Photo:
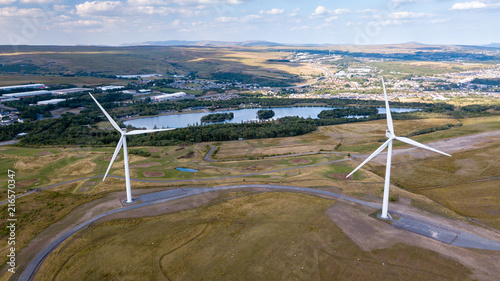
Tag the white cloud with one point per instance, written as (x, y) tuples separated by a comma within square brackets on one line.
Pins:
[(469, 5), (294, 13), (407, 15), (367, 11), (60, 8), (251, 17), (6, 2), (324, 25), (402, 18), (98, 7), (83, 23), (16, 12), (397, 3), (225, 19), (200, 3), (36, 1), (274, 11), (246, 18), (321, 11), (332, 18)]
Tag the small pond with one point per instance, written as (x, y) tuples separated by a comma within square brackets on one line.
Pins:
[(189, 170)]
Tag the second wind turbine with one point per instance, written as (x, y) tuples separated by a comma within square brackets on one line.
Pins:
[(389, 133)]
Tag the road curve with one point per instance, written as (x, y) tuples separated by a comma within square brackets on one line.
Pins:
[(416, 225)]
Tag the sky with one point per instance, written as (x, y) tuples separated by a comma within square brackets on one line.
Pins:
[(363, 22)]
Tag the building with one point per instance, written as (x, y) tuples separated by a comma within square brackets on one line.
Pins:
[(26, 94), (52, 101), (130, 92), (70, 91), (139, 76), (19, 87), (167, 97), (110, 88)]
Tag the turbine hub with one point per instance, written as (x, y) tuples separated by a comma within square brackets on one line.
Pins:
[(388, 134)]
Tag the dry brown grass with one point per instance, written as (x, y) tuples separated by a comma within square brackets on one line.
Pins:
[(81, 167), (323, 139), (32, 163), (153, 174), (267, 236), (259, 59), (367, 132)]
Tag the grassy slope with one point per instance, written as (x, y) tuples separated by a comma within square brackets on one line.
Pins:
[(145, 60), (269, 236)]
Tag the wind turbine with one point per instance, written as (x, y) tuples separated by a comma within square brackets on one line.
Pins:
[(389, 133), (123, 142)]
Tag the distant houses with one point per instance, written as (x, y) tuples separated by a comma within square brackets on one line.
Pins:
[(9, 118)]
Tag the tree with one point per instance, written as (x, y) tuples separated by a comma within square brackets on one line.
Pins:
[(265, 114)]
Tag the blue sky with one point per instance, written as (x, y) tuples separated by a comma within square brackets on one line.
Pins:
[(62, 22)]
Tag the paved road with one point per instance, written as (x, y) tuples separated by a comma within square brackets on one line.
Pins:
[(417, 225), (208, 156)]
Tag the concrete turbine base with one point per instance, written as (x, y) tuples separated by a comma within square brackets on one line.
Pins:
[(133, 201), (389, 217)]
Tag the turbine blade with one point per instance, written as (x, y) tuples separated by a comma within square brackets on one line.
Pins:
[(117, 149), (113, 123), (375, 153), (137, 132), (388, 110), (412, 142)]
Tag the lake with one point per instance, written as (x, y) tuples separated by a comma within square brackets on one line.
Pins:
[(240, 116)]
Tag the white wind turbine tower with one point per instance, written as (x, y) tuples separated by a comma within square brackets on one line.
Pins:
[(123, 142), (391, 136)]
